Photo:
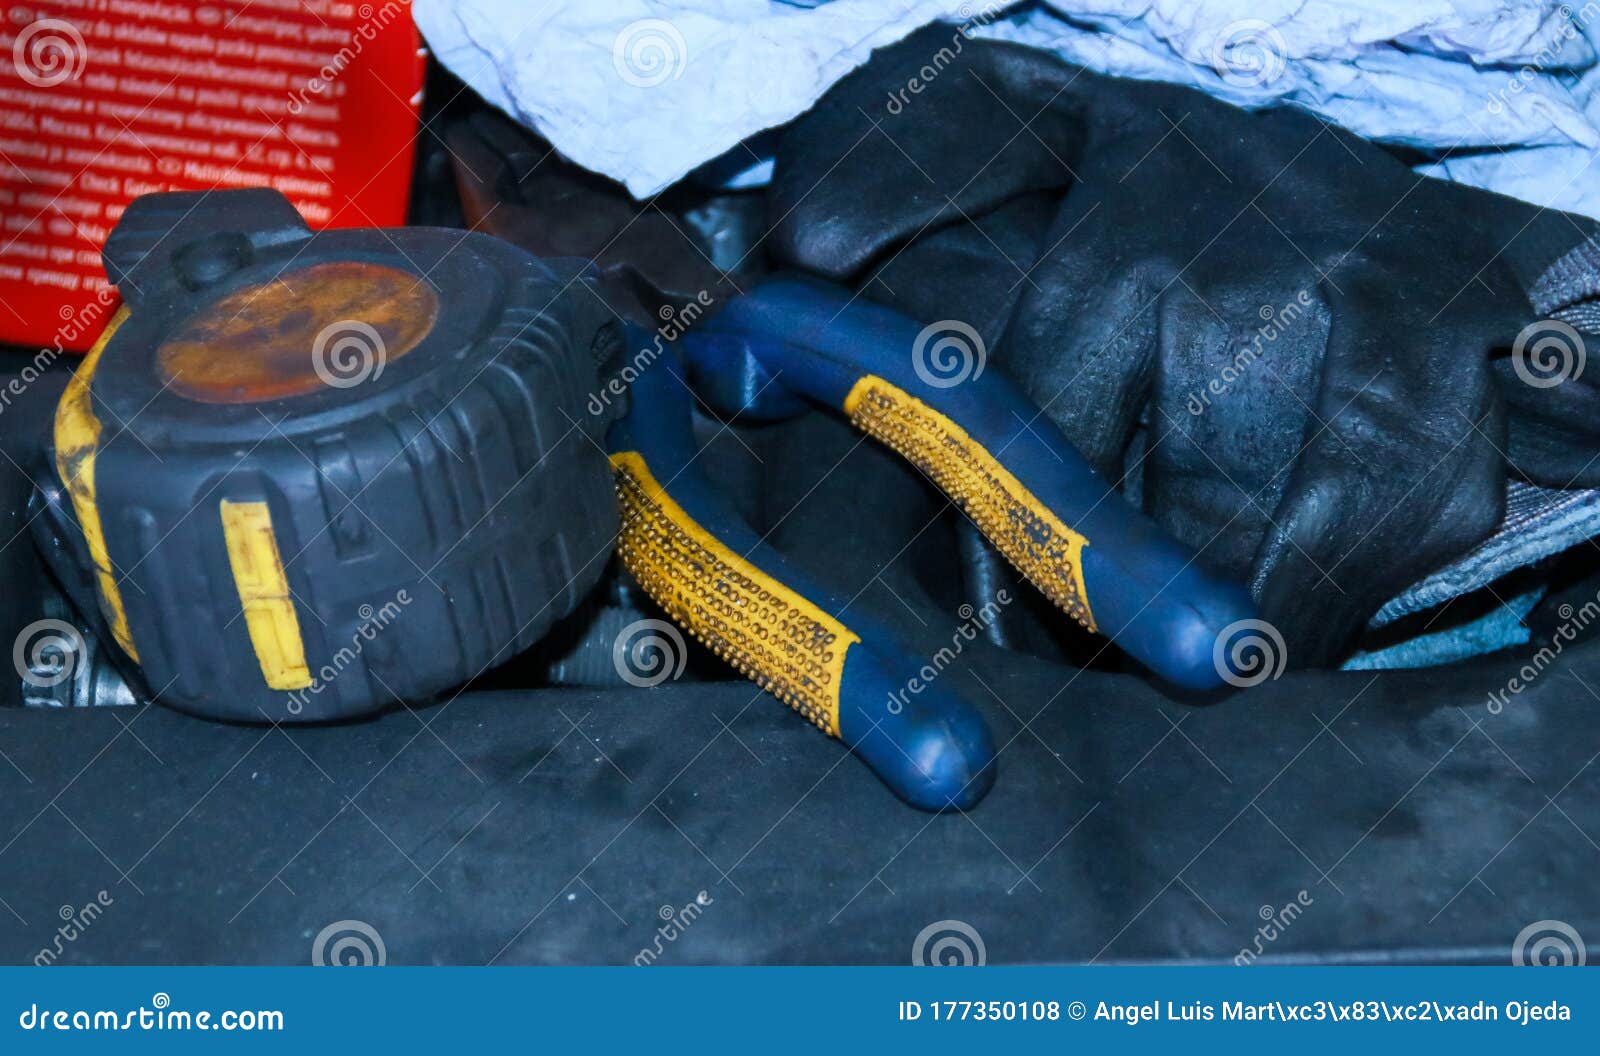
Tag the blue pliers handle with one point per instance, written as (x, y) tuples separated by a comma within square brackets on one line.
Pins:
[(974, 434), (925, 392), (693, 553)]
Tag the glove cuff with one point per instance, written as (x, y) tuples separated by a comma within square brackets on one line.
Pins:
[(1569, 288)]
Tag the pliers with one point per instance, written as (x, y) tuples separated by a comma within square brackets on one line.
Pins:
[(793, 342)]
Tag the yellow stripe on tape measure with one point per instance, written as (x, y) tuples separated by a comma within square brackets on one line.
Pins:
[(77, 443), (264, 594)]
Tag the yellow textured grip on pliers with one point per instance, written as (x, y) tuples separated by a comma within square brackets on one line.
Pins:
[(775, 637), (1021, 527)]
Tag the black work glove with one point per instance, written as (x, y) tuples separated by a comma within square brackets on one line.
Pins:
[(1300, 328)]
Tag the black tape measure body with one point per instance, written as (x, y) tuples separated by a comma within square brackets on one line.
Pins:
[(330, 470)]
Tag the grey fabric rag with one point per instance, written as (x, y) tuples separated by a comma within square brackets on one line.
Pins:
[(1569, 289), (1539, 522), (1499, 628), (1570, 282)]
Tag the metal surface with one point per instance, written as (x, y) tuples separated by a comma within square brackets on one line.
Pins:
[(64, 665)]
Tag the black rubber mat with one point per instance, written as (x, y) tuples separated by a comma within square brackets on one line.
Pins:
[(1401, 815), (1404, 818)]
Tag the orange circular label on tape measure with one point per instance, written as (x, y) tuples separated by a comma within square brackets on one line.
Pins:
[(333, 325)]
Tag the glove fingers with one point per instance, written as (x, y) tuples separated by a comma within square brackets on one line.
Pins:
[(1552, 395), (933, 130), (1082, 340), (1401, 472), (1553, 404), (1228, 410), (973, 271), (1553, 430)]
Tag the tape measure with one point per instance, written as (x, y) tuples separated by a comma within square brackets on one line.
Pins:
[(303, 476)]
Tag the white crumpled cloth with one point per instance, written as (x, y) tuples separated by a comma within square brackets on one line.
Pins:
[(646, 91)]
